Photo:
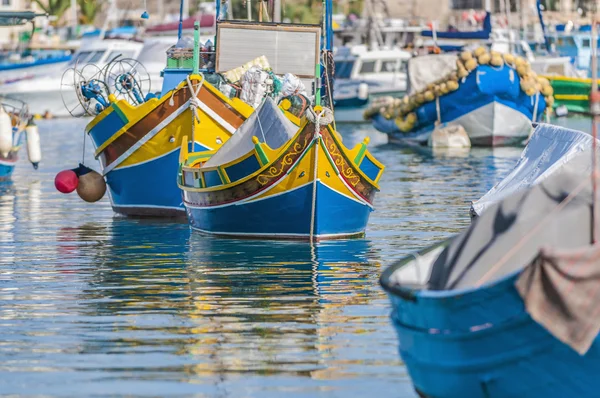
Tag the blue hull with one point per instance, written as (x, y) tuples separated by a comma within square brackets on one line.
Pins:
[(285, 216), (484, 87), (147, 189), (481, 343), (6, 171)]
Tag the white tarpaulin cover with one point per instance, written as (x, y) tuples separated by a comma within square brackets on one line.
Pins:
[(550, 149), (427, 69)]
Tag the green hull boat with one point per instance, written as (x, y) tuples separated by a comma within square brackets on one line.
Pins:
[(572, 93)]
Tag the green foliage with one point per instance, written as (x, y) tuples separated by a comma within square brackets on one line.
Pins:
[(54, 7), (88, 9)]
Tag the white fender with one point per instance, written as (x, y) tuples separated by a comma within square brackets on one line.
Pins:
[(363, 91), (34, 148), (6, 133)]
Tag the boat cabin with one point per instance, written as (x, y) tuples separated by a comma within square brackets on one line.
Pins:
[(359, 64)]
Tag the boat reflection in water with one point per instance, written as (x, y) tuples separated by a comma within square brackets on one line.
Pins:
[(207, 307)]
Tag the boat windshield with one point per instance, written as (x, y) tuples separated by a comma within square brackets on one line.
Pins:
[(96, 56), (122, 53), (81, 57), (343, 69)]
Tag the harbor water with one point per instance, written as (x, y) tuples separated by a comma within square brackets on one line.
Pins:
[(96, 304)]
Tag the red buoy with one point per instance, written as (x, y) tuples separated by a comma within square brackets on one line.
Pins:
[(66, 181)]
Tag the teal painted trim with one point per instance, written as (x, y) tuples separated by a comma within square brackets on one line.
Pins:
[(196, 47), (119, 112), (360, 154), (262, 156)]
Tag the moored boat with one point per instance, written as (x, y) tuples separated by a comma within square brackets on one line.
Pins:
[(15, 124), (572, 93), (362, 74), (494, 98), (505, 309), (550, 150), (137, 140), (281, 180)]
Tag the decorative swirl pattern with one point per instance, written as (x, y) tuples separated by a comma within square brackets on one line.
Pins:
[(341, 163), (276, 170)]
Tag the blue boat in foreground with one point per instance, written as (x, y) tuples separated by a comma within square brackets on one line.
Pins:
[(508, 308)]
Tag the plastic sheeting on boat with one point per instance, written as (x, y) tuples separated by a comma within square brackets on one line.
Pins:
[(427, 69), (508, 236), (550, 149), (267, 123)]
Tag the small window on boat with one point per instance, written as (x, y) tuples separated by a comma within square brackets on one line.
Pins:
[(367, 67), (343, 69), (96, 56), (81, 57), (122, 53), (389, 66), (556, 70), (585, 43), (188, 178)]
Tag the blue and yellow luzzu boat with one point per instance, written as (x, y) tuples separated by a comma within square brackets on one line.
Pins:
[(281, 177), (138, 146)]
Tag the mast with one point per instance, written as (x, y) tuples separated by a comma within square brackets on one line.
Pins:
[(180, 28), (539, 10), (595, 110), (277, 11)]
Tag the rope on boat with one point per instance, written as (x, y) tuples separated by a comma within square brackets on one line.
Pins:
[(323, 118), (535, 106), (328, 56), (194, 105)]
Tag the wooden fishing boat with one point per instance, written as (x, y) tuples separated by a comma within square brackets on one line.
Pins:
[(15, 123), (275, 179), (138, 146), (572, 93), (494, 98), (14, 114), (506, 308)]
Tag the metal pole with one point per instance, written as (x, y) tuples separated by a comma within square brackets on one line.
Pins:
[(180, 29), (74, 14), (595, 110), (196, 48), (249, 9), (277, 11)]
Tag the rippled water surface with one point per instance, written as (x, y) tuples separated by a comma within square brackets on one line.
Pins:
[(92, 304)]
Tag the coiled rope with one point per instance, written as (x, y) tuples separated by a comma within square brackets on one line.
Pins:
[(194, 105), (323, 118)]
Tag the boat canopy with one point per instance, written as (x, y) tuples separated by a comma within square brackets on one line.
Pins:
[(267, 123), (427, 69), (550, 150), (508, 237), (474, 35), (11, 18)]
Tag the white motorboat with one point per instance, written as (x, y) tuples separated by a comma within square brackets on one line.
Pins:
[(43, 93), (361, 74)]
